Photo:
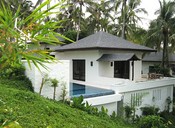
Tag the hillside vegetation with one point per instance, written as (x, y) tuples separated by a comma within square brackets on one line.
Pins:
[(33, 111)]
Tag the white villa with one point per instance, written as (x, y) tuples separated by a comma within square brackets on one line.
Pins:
[(110, 63), (150, 60)]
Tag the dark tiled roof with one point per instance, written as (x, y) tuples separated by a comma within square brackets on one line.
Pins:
[(103, 40), (157, 57), (118, 57)]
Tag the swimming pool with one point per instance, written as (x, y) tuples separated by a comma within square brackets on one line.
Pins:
[(88, 91)]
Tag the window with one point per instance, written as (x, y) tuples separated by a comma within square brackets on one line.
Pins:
[(79, 70), (156, 94), (121, 69), (152, 69)]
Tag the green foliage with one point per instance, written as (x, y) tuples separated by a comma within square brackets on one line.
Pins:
[(23, 84), (151, 121), (54, 82), (71, 34), (149, 110), (128, 111), (33, 111), (78, 102), (17, 75), (103, 112), (63, 92), (45, 79), (114, 115), (16, 31), (169, 119), (90, 109), (168, 102), (160, 70), (13, 71)]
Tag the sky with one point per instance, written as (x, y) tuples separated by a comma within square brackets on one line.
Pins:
[(150, 5)]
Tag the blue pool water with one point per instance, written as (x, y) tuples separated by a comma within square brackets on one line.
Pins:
[(88, 91)]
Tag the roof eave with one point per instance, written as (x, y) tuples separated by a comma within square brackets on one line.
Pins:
[(105, 48)]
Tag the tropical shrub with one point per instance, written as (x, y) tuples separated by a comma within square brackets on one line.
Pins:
[(44, 80), (128, 111), (169, 119), (15, 76), (151, 121), (78, 102), (103, 112), (13, 71), (149, 110), (54, 84), (63, 92), (90, 109)]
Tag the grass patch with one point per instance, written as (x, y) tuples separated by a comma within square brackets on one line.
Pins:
[(32, 111), (22, 84)]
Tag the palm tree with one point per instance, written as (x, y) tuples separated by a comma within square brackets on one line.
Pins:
[(100, 16), (77, 6), (124, 19), (54, 84), (127, 22), (163, 29), (26, 6)]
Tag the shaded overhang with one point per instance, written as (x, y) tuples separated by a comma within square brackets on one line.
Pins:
[(118, 57)]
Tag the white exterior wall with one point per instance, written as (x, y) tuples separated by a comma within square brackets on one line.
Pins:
[(148, 99), (164, 87), (137, 70), (59, 70), (145, 66), (106, 70), (99, 68), (91, 72), (109, 102)]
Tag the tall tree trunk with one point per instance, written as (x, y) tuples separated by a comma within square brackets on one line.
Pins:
[(38, 3), (124, 19), (54, 93), (79, 20), (41, 87), (165, 57)]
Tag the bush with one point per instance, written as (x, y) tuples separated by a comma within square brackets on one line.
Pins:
[(12, 72), (15, 77), (151, 121), (169, 119), (21, 84), (78, 102), (128, 111), (161, 70), (149, 110)]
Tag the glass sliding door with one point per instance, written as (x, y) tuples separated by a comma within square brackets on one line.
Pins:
[(121, 69), (79, 70)]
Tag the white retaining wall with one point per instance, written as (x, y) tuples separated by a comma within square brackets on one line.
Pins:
[(148, 93), (58, 70)]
